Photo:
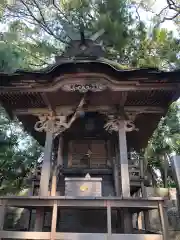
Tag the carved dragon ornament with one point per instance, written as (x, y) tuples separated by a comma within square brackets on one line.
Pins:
[(113, 123), (59, 124), (56, 124)]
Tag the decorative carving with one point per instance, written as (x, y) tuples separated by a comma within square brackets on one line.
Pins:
[(83, 88), (113, 124), (59, 124), (56, 124)]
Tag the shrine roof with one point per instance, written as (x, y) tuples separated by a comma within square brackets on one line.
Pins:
[(148, 87), (88, 64)]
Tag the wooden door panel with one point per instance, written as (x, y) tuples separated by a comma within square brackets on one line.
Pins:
[(88, 153)]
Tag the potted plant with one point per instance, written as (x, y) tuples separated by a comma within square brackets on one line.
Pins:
[(161, 191)]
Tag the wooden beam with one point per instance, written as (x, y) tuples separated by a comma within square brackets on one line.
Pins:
[(119, 88), (164, 221), (112, 83), (77, 236), (46, 166), (149, 203), (69, 110), (123, 161), (25, 235)]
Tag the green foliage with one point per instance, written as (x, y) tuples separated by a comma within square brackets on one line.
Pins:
[(18, 155), (165, 141), (9, 58), (42, 31)]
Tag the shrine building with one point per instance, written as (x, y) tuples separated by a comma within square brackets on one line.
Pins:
[(91, 116)]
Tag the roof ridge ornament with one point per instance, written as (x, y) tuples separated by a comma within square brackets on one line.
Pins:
[(82, 46)]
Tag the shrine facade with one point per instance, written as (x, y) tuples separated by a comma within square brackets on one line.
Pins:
[(91, 117)]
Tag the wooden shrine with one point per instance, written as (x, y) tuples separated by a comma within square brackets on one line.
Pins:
[(90, 115)]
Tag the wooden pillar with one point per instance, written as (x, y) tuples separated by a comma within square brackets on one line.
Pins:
[(46, 167), (164, 221), (2, 216), (60, 153), (123, 161), (116, 177), (144, 195), (59, 163), (109, 226), (126, 216), (54, 221), (54, 182)]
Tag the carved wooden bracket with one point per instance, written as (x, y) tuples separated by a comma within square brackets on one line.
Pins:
[(113, 124), (56, 124), (59, 124)]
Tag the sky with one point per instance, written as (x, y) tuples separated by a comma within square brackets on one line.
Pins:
[(157, 6)]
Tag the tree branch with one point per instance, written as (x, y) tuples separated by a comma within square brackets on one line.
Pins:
[(63, 14), (43, 23), (172, 5), (162, 10)]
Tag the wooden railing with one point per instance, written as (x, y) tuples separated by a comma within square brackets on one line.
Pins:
[(134, 170), (78, 236), (136, 204)]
